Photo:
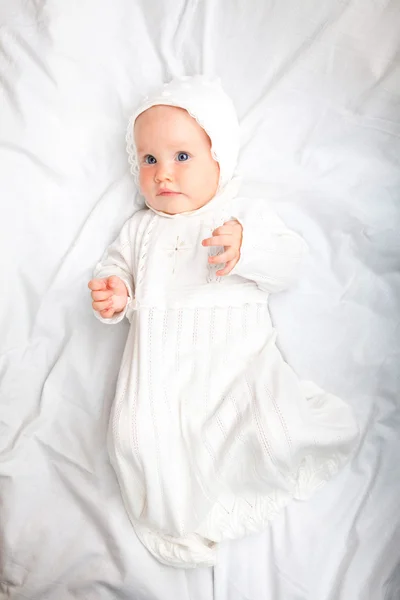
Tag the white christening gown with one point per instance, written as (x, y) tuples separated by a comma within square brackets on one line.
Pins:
[(211, 432)]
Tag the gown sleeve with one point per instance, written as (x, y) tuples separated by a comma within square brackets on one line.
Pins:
[(270, 253), (118, 260)]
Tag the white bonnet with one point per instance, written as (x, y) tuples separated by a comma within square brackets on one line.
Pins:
[(205, 100)]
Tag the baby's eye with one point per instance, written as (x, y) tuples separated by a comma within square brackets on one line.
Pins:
[(182, 156), (150, 160)]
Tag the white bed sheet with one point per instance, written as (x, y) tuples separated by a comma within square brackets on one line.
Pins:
[(316, 84)]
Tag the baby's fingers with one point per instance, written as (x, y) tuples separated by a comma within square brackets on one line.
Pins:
[(223, 230), (218, 240), (97, 284), (107, 314), (225, 257), (102, 304), (116, 284), (228, 268), (102, 295)]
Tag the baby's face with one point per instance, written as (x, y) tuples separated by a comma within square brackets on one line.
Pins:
[(176, 170)]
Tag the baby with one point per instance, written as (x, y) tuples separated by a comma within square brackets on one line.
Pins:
[(211, 432)]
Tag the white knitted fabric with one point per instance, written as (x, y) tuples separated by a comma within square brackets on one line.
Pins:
[(205, 100), (211, 432)]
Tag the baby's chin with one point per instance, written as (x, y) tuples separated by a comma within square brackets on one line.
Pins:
[(174, 205)]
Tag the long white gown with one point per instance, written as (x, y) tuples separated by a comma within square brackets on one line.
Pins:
[(211, 432)]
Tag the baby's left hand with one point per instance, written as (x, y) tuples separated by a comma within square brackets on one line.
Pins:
[(229, 235)]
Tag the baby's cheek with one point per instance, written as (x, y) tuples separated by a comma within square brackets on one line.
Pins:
[(202, 184), (145, 178)]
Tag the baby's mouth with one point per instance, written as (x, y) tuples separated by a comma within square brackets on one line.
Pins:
[(167, 192)]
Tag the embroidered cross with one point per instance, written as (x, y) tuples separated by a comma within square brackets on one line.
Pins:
[(174, 249)]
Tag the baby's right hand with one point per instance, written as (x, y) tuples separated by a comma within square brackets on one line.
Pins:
[(109, 295)]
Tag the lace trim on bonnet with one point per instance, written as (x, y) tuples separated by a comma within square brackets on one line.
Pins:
[(205, 101)]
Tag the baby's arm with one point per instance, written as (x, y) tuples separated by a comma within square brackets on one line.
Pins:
[(229, 235), (270, 253), (109, 295), (258, 246), (112, 284)]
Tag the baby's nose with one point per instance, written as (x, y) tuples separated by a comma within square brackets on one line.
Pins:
[(163, 172)]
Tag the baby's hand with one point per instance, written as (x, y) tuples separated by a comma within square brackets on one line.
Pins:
[(109, 295), (230, 237)]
